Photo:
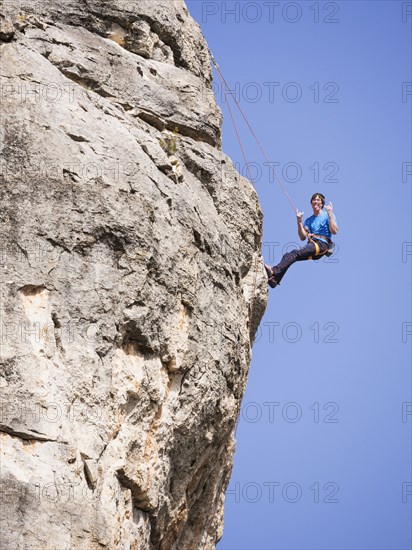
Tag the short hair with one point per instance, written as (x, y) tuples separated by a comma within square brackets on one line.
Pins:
[(318, 196)]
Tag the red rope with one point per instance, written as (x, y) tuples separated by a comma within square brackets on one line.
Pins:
[(222, 78), (236, 130)]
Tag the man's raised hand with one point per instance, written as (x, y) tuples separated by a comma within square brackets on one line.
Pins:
[(299, 215), (329, 208)]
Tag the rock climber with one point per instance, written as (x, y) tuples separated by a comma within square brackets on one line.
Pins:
[(318, 229)]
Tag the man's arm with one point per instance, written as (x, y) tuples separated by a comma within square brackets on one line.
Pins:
[(333, 226), (303, 233)]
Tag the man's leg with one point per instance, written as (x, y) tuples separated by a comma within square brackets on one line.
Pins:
[(290, 258)]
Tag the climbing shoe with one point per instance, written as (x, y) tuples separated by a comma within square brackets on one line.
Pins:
[(269, 271), (272, 282)]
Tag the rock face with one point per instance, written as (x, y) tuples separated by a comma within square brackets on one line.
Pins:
[(129, 247)]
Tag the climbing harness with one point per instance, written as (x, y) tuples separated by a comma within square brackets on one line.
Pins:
[(313, 239), (328, 252)]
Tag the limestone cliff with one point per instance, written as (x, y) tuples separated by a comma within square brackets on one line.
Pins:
[(128, 246)]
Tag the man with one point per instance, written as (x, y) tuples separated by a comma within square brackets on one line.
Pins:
[(318, 228)]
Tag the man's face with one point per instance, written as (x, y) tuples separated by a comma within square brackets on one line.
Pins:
[(317, 205)]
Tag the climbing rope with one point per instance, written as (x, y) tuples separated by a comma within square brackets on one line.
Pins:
[(236, 128), (223, 80)]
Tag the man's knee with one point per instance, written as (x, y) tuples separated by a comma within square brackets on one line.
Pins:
[(305, 253), (292, 255)]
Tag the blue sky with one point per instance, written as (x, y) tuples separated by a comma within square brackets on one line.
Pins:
[(323, 455)]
